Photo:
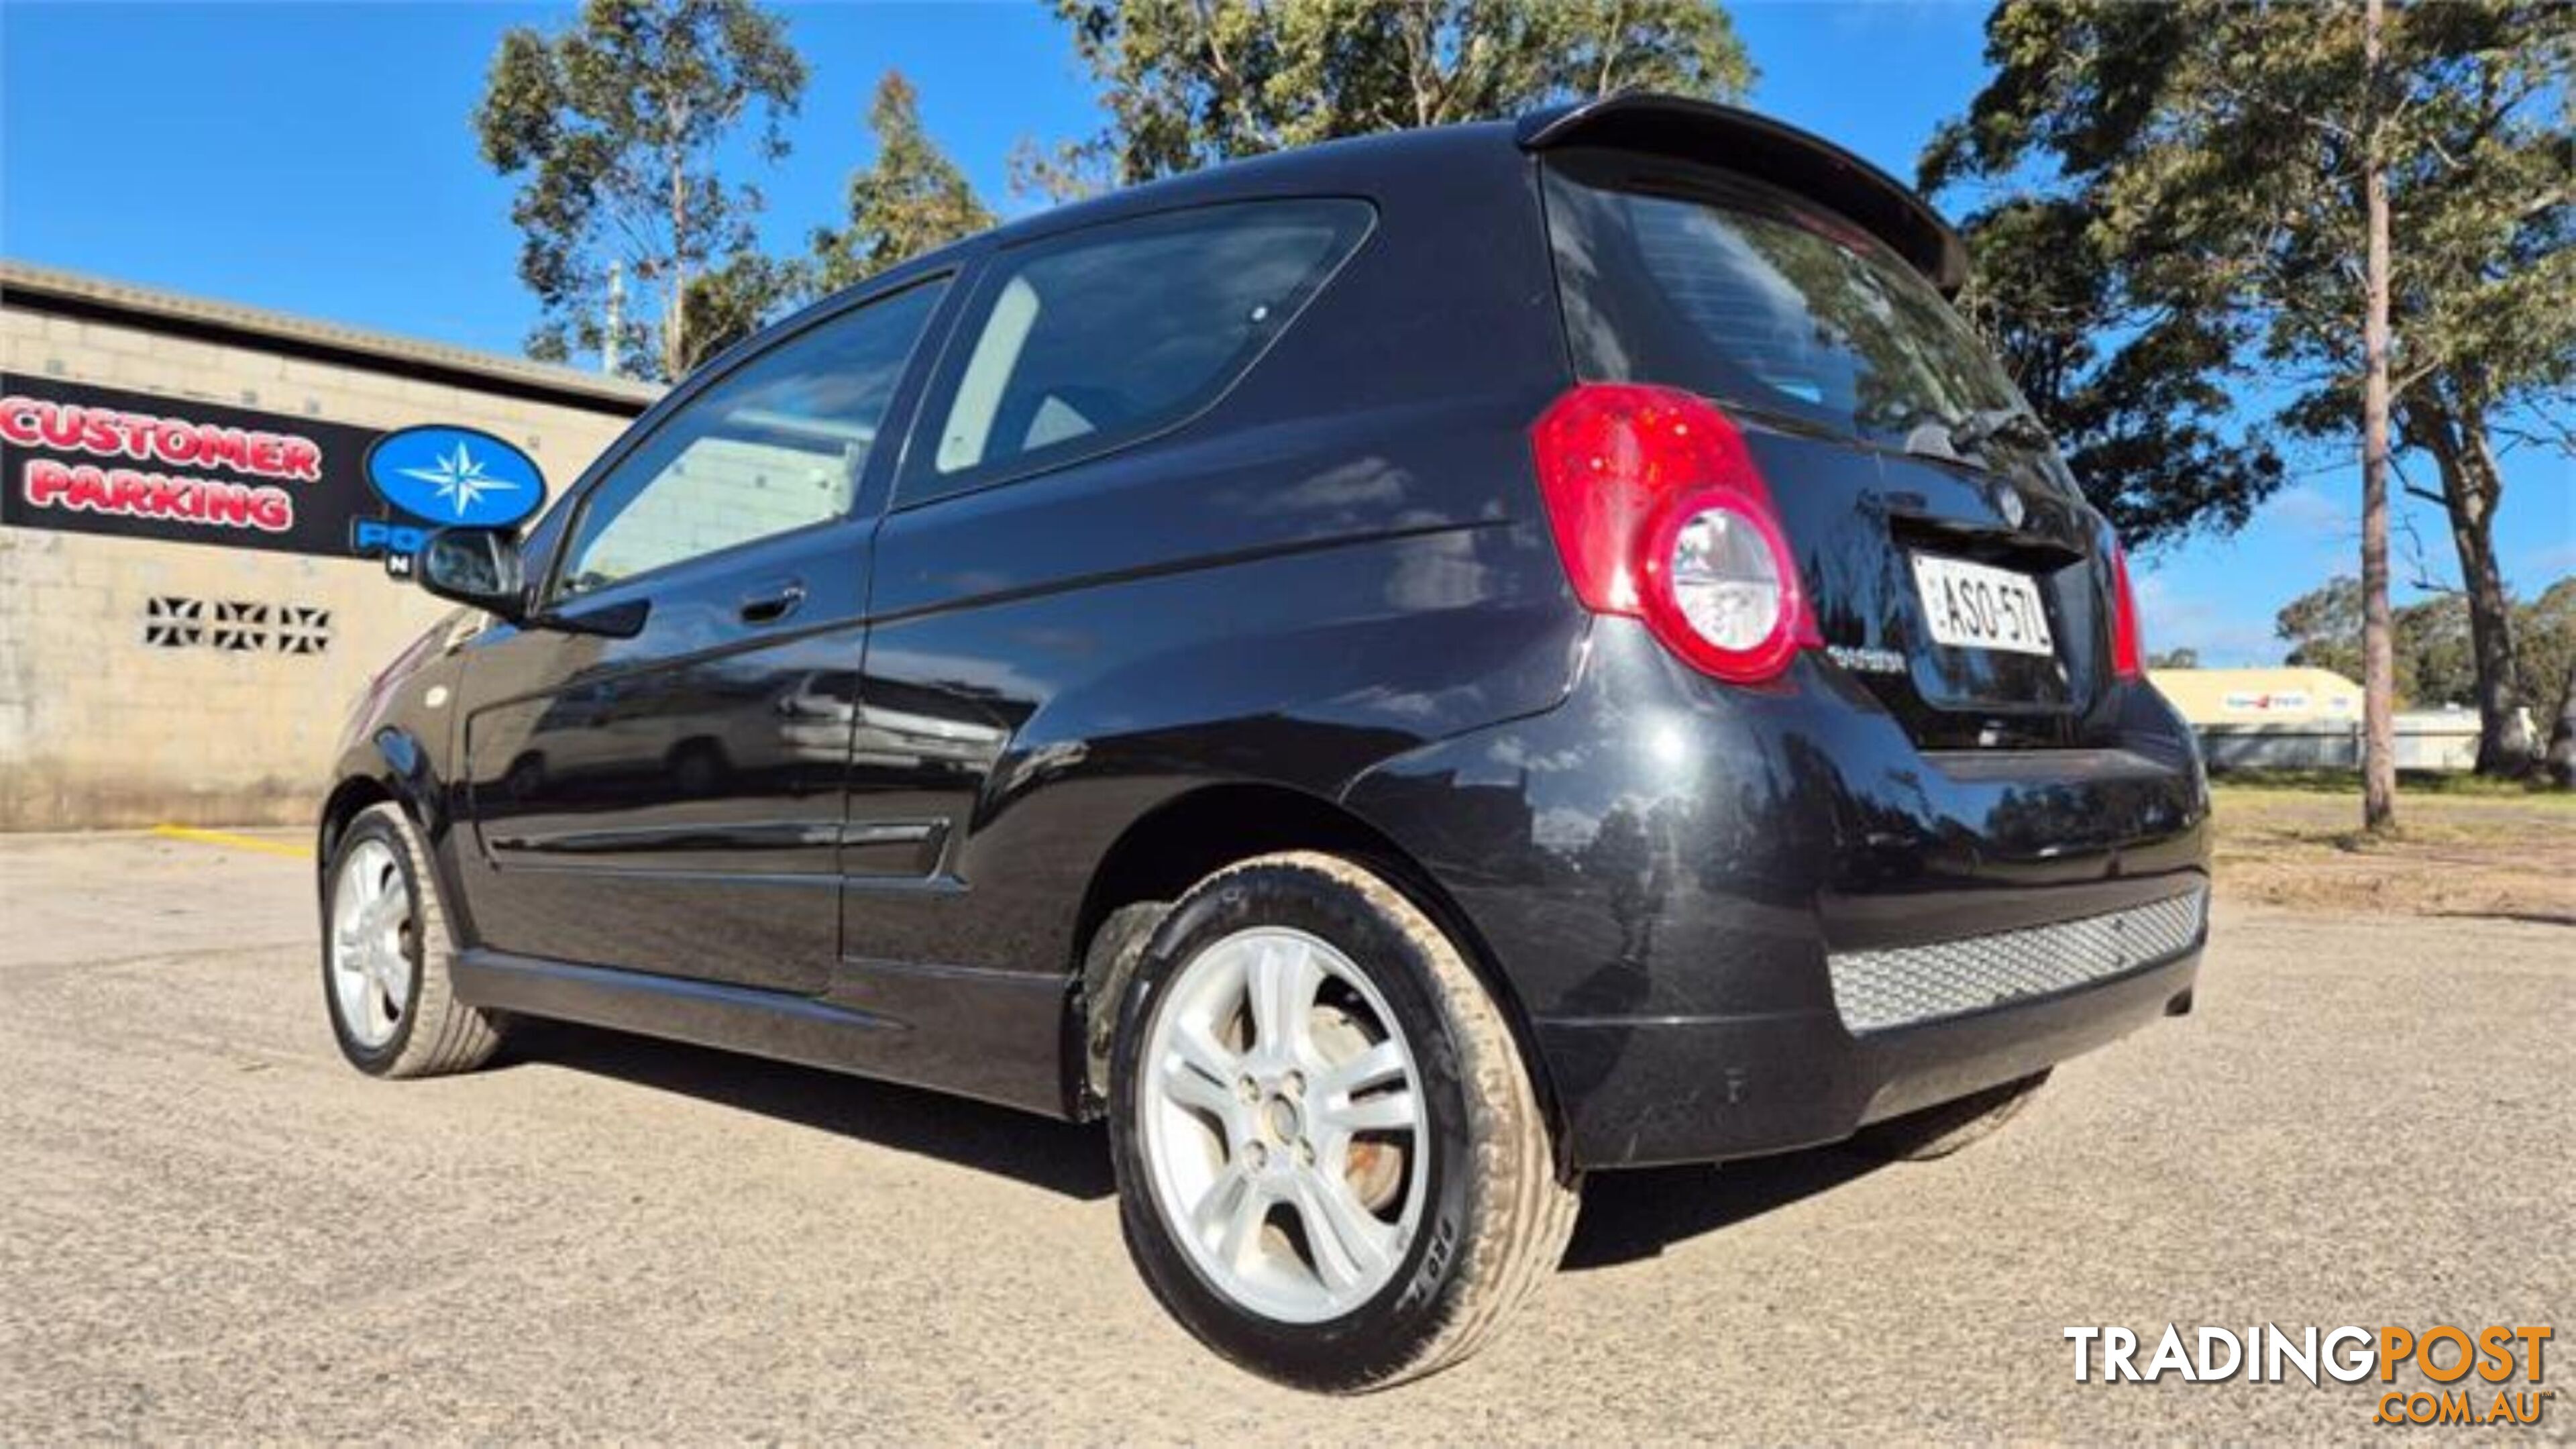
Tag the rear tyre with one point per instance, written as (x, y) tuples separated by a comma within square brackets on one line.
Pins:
[(1332, 1163), (386, 957), (1939, 1131)]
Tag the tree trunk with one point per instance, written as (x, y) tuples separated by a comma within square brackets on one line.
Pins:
[(2472, 487), (674, 348), (2505, 741), (2378, 652), (674, 318), (2562, 740), (2505, 746)]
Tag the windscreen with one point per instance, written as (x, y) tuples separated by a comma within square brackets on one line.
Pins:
[(1688, 279)]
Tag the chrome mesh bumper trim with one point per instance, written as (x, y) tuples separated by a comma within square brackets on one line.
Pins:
[(1910, 985)]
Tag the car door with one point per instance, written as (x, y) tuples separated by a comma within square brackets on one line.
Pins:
[(654, 778)]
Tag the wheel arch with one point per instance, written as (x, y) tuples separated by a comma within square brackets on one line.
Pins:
[(1183, 840), (392, 767), (346, 800)]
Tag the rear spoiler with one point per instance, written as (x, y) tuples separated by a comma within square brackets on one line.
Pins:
[(1766, 150)]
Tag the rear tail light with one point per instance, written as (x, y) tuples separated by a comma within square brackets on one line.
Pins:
[(2128, 656), (1660, 515)]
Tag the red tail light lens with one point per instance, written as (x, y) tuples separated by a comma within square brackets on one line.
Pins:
[(2128, 656), (1660, 515)]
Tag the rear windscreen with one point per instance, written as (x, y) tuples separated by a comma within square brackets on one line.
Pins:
[(1687, 278)]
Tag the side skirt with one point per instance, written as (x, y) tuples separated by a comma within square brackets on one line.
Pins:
[(993, 1035)]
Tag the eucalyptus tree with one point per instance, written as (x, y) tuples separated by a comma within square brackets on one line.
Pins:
[(910, 200), (617, 124), (2223, 161), (1188, 83)]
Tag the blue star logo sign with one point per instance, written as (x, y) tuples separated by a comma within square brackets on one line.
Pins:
[(454, 477), (460, 479)]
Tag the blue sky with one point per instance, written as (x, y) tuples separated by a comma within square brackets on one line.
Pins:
[(318, 159)]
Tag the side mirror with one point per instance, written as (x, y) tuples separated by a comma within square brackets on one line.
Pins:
[(476, 566)]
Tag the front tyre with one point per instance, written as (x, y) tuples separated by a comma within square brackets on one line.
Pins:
[(386, 953), (1332, 1165)]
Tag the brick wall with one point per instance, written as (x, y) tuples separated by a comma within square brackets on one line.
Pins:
[(145, 682)]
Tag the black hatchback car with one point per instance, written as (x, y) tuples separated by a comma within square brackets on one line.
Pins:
[(1399, 674)]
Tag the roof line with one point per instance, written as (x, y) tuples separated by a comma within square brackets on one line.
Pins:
[(98, 299)]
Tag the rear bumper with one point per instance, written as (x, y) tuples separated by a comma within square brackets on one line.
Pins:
[(1690, 893), (1723, 1087)]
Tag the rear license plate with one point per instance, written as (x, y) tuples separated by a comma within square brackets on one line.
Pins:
[(1972, 606)]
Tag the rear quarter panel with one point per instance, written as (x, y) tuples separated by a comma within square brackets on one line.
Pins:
[(1340, 560)]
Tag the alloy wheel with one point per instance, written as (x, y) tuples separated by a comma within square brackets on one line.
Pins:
[(1283, 1125), (371, 930)]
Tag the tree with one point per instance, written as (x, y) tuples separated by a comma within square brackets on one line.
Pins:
[(616, 122), (2323, 628), (2378, 642), (2434, 661), (2223, 155), (737, 298), (2434, 637), (2185, 658), (2562, 737), (1191, 82), (911, 200), (2486, 301), (1063, 173), (2547, 630), (2141, 398)]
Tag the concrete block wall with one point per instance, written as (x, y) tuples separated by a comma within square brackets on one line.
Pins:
[(101, 728)]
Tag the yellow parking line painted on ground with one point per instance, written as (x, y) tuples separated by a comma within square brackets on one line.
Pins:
[(237, 842)]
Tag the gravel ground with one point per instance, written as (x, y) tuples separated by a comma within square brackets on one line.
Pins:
[(212, 1229)]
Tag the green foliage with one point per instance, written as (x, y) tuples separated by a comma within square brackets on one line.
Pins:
[(2323, 629), (2204, 161), (1191, 82), (745, 292), (912, 200), (2545, 628), (2207, 156), (2435, 655), (615, 123), (2140, 397), (1065, 172)]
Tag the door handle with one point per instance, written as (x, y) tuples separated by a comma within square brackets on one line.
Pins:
[(773, 604)]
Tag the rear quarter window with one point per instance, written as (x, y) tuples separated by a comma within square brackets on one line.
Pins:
[(1081, 344)]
